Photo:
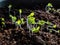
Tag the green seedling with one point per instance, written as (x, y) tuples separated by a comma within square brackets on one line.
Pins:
[(41, 22), (13, 18), (31, 20), (22, 21), (54, 26), (58, 31), (2, 19), (31, 14), (10, 6), (18, 22), (20, 12), (3, 22), (49, 5), (35, 29), (48, 22)]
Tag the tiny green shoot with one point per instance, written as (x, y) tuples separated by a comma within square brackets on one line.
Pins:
[(35, 29), (10, 6), (41, 22), (20, 12), (54, 26)]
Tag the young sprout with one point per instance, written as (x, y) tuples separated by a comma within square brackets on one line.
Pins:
[(18, 22), (35, 29), (9, 8), (13, 18), (20, 11), (31, 20), (58, 31), (54, 26), (48, 7), (3, 22), (2, 19), (48, 22), (31, 14), (22, 21), (41, 22)]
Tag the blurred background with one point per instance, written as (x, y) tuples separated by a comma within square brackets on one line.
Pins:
[(29, 3)]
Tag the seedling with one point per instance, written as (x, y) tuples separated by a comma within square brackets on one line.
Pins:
[(20, 12), (50, 4), (22, 21), (48, 22), (41, 22), (31, 14), (58, 31), (48, 7), (3, 22), (18, 22), (35, 29), (9, 8), (31, 20), (2, 19), (13, 18), (54, 26)]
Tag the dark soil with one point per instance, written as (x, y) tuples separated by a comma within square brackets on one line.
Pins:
[(10, 35)]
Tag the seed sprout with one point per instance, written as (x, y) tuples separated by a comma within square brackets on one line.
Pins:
[(22, 21), (10, 6), (54, 26), (35, 29), (20, 11), (41, 22), (31, 14), (13, 18)]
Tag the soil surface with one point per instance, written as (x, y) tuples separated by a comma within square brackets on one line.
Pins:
[(10, 35)]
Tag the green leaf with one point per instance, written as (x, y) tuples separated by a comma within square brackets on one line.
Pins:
[(31, 14), (2, 19), (18, 22), (41, 22), (20, 10), (35, 29), (22, 21), (50, 5), (9, 6), (31, 20), (58, 31), (54, 26), (48, 22)]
